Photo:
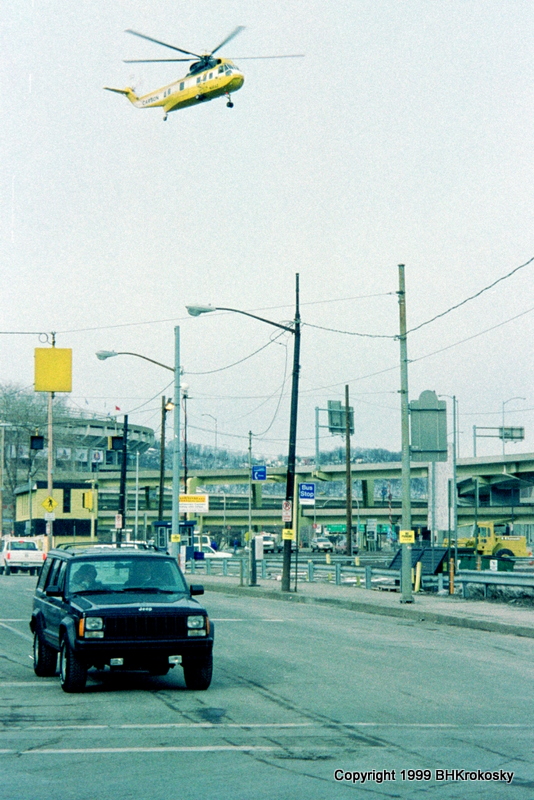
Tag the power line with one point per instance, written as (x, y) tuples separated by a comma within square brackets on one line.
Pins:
[(235, 363), (473, 296)]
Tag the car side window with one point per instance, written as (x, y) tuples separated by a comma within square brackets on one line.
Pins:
[(52, 575), (60, 580), (44, 574)]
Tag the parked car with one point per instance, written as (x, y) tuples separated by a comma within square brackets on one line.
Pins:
[(321, 544), (209, 552), (20, 554), (126, 609), (270, 545)]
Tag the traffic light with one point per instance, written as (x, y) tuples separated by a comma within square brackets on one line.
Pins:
[(36, 442), (115, 442)]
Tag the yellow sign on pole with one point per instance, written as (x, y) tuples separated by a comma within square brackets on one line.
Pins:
[(288, 533), (194, 503), (49, 504), (407, 537), (53, 369)]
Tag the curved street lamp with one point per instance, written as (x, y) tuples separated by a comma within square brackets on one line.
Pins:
[(102, 355), (196, 311)]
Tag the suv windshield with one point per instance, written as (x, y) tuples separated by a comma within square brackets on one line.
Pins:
[(123, 574)]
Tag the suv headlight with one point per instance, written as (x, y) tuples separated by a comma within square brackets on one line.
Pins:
[(196, 626), (94, 628)]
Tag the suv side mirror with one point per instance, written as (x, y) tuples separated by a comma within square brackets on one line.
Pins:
[(196, 588), (53, 591)]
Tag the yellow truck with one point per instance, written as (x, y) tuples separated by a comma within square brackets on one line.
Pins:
[(494, 539)]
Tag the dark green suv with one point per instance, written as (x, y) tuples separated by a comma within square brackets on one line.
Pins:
[(118, 608)]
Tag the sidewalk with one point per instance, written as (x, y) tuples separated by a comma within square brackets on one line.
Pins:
[(475, 614)]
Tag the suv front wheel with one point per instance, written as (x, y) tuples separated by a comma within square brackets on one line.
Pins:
[(72, 672), (198, 671), (44, 658)]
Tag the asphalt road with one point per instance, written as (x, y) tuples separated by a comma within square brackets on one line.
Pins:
[(299, 692)]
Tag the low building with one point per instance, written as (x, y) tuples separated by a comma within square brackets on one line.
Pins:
[(75, 510)]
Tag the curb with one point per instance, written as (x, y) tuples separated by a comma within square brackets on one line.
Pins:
[(403, 612)]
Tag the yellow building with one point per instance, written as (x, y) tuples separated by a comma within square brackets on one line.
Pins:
[(74, 506)]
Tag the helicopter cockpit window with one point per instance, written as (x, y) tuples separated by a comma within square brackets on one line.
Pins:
[(221, 68)]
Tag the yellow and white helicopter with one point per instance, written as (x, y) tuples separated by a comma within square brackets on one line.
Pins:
[(208, 78)]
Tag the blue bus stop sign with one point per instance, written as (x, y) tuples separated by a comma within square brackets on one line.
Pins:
[(307, 494)]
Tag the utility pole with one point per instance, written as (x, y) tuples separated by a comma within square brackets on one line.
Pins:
[(251, 541), (122, 486), (406, 569), (290, 484), (348, 472), (166, 405), (50, 466)]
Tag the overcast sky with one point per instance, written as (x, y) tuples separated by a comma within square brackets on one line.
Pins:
[(403, 136)]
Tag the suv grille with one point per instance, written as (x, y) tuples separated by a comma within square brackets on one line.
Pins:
[(146, 626)]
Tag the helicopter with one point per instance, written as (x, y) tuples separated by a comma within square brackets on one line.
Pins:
[(208, 78)]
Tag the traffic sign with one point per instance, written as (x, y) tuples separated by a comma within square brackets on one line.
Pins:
[(49, 504), (307, 494), (407, 537), (287, 511), (259, 472)]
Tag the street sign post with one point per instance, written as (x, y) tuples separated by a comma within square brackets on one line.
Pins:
[(287, 511)]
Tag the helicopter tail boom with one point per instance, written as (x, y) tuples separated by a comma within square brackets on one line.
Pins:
[(128, 92)]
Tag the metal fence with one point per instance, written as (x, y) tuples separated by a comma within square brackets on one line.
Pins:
[(368, 577)]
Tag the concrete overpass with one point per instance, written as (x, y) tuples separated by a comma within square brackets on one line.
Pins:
[(505, 488)]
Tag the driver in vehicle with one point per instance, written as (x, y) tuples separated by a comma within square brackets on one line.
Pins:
[(84, 579), (142, 575)]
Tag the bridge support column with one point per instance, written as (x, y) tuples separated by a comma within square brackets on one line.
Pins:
[(368, 493)]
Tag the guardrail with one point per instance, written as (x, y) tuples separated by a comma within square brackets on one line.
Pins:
[(307, 571), (367, 577), (487, 578)]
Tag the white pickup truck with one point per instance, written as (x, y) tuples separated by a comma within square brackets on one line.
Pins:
[(20, 554)]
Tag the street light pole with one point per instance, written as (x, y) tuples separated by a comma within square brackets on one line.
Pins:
[(185, 396), (102, 355), (406, 549), (291, 458), (196, 311), (175, 524)]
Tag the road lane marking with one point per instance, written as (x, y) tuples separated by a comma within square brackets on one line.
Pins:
[(14, 684), (265, 726), (250, 619), (244, 748), (19, 633)]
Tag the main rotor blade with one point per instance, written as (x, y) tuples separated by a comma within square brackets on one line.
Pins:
[(164, 44), (250, 58), (228, 38), (153, 60)]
